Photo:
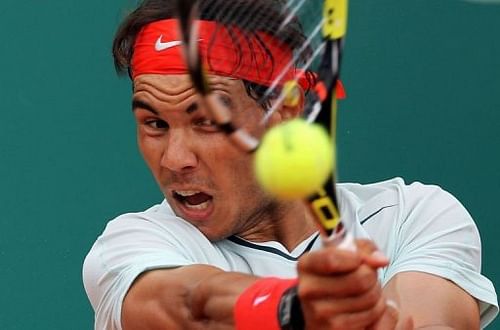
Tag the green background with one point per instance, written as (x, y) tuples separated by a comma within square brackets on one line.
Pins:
[(423, 79)]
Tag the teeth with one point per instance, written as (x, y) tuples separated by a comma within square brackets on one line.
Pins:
[(187, 193), (201, 206)]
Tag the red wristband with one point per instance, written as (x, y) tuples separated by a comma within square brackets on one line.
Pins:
[(257, 306)]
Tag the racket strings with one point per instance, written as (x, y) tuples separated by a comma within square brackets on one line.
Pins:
[(242, 19), (281, 19)]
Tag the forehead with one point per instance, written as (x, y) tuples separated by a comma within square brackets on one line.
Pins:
[(171, 83), (176, 90)]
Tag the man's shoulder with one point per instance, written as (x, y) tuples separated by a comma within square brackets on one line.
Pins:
[(393, 208), (391, 185), (158, 218), (388, 192), (155, 211), (392, 201)]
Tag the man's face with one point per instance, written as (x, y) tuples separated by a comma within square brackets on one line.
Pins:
[(204, 177)]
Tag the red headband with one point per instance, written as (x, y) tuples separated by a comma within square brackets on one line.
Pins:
[(158, 50)]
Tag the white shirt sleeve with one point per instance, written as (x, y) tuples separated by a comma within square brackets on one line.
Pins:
[(130, 245), (434, 233)]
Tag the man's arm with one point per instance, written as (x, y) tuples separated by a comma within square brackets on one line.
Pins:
[(433, 302), (183, 298), (337, 288), (437, 252)]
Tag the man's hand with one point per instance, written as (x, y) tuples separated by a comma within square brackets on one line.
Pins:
[(339, 289)]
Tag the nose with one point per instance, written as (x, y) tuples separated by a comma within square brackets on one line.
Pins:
[(178, 154)]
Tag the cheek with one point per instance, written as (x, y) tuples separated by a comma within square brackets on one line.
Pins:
[(238, 175), (151, 150)]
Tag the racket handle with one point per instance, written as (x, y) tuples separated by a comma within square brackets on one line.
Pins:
[(343, 240), (347, 243)]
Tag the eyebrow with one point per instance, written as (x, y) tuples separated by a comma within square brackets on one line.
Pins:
[(143, 105)]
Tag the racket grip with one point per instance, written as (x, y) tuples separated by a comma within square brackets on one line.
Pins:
[(347, 243), (343, 240)]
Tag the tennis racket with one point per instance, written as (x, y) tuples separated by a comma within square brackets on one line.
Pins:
[(315, 30)]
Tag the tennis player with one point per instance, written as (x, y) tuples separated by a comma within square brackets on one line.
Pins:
[(220, 253)]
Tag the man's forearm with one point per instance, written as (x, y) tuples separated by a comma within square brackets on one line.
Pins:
[(213, 299), (194, 297)]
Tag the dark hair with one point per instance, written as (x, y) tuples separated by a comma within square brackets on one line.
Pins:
[(270, 12)]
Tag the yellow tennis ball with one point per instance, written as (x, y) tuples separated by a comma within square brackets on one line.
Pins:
[(294, 159)]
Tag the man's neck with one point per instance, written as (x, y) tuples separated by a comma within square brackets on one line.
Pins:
[(290, 225)]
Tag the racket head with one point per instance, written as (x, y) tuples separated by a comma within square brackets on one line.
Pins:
[(311, 36), (272, 42)]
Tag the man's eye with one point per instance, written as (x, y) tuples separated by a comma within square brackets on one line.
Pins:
[(225, 101), (207, 124), (157, 124)]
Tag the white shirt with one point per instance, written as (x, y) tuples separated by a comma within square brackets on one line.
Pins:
[(419, 227)]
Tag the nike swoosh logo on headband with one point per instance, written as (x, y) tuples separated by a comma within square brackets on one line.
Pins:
[(160, 46)]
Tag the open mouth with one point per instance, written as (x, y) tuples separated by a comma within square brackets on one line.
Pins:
[(193, 200)]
